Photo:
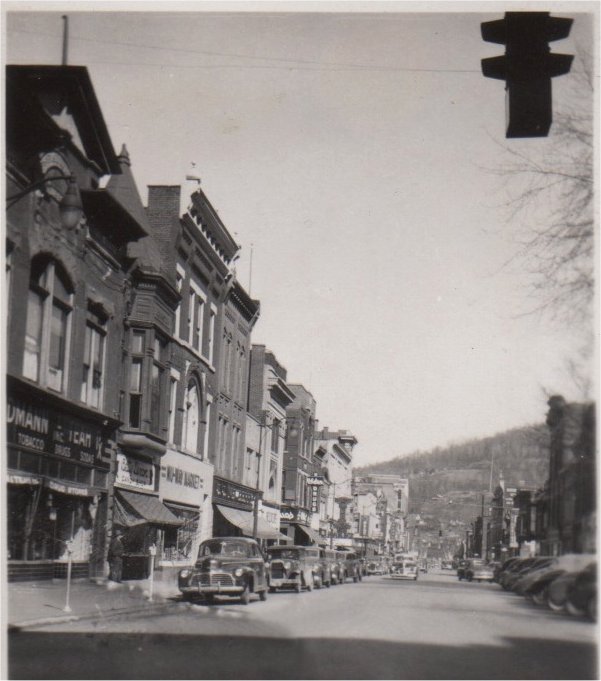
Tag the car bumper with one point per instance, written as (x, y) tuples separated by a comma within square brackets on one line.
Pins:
[(393, 576), (284, 582), (216, 589)]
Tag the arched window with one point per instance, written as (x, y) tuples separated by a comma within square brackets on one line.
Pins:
[(191, 418), (49, 306)]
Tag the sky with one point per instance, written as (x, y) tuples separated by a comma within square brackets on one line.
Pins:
[(349, 148)]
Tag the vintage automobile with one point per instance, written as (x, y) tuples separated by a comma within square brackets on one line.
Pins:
[(534, 584), (461, 568), (377, 566), (329, 567), (226, 566), (351, 567), (404, 569), (293, 567), (575, 592), (478, 570)]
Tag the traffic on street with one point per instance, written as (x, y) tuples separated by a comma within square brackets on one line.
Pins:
[(377, 628)]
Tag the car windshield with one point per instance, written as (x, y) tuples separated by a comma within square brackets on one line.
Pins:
[(224, 548), (478, 563), (409, 565), (284, 553)]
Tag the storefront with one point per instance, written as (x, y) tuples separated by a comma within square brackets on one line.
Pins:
[(234, 516), (294, 523), (185, 488), (138, 511), (59, 457)]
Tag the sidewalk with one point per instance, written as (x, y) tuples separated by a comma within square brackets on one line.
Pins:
[(36, 603)]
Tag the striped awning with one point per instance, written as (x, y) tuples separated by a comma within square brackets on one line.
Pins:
[(132, 508), (244, 520)]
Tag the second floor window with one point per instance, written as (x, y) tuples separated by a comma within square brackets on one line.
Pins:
[(191, 423), (49, 307), (156, 383), (93, 358), (135, 379)]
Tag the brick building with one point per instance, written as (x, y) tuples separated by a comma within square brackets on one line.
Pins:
[(299, 466), (268, 399), (67, 236)]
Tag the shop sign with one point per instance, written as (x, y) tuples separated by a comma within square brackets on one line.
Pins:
[(51, 432), (231, 494), (294, 515), (315, 480), (134, 472), (68, 489), (315, 493), (183, 478)]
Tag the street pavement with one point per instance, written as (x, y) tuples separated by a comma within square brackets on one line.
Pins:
[(435, 628)]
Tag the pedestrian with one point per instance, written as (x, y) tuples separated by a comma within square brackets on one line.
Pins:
[(115, 557)]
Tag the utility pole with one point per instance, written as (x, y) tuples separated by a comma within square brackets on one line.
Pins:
[(65, 39), (262, 425)]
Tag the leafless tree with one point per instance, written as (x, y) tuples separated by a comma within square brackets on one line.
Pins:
[(551, 207)]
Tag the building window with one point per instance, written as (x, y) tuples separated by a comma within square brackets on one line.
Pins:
[(207, 428), (275, 436), (93, 357), (135, 379), (191, 418), (179, 280), (195, 318), (49, 306), (172, 406), (156, 383), (211, 340)]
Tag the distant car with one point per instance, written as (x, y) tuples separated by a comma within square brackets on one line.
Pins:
[(478, 570), (446, 565), (377, 566), (226, 566), (461, 568), (404, 569)]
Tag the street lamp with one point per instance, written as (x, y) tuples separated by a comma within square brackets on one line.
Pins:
[(70, 206)]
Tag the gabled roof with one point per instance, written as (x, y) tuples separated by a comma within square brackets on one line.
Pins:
[(71, 86)]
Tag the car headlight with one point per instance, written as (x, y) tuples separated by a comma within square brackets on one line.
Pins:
[(287, 565), (184, 574), (238, 572)]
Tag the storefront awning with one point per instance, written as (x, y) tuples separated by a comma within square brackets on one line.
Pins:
[(313, 535), (245, 521), (134, 509)]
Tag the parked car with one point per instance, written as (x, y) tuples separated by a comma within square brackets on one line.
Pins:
[(461, 568), (446, 565), (352, 568), (511, 574), (292, 567), (377, 566), (513, 582), (582, 594), (329, 567), (404, 569), (478, 570), (534, 584), (226, 566)]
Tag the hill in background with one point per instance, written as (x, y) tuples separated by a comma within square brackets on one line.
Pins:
[(446, 484)]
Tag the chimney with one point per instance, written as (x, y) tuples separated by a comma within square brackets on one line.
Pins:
[(163, 215)]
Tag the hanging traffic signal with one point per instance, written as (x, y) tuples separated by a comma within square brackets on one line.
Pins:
[(527, 67)]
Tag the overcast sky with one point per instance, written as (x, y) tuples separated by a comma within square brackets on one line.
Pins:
[(350, 151)]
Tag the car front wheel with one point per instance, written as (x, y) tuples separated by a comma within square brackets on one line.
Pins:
[(245, 596)]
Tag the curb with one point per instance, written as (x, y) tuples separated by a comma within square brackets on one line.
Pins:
[(100, 615)]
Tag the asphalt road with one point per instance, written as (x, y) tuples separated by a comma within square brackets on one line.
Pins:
[(435, 628)]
